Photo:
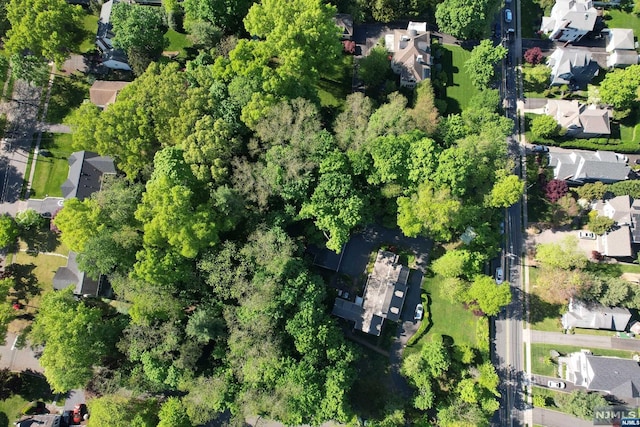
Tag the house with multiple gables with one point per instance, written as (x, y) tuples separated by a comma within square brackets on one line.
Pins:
[(112, 58), (621, 46), (595, 316), (411, 53), (570, 20), (612, 375), (579, 167), (620, 241), (580, 120)]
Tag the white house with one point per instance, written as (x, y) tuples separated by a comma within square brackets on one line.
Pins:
[(570, 20), (621, 46), (581, 166)]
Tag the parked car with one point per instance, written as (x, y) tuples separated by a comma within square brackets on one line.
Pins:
[(499, 275), (419, 312), (508, 16), (540, 149), (556, 384), (588, 235), (79, 413)]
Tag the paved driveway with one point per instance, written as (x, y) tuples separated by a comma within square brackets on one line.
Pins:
[(585, 341), (549, 418)]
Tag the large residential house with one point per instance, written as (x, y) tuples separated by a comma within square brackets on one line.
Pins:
[(595, 316), (570, 20), (625, 211), (71, 276), (112, 58), (383, 297), (578, 167), (580, 120), (574, 67), (612, 375), (621, 46), (411, 49)]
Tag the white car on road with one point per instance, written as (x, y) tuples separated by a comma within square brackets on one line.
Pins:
[(499, 275)]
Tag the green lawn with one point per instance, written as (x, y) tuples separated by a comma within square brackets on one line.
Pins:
[(335, 84), (30, 388), (51, 171), (540, 351), (11, 409), (67, 93), (177, 42), (90, 27), (621, 19), (458, 90), (531, 13), (449, 320)]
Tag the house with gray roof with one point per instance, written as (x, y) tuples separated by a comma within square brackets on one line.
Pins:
[(573, 67), (411, 50), (615, 376), (595, 316), (619, 241), (580, 120), (86, 173), (71, 276), (345, 22), (570, 20), (621, 46), (383, 296), (578, 167)]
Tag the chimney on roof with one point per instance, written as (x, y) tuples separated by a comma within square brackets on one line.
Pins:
[(413, 32)]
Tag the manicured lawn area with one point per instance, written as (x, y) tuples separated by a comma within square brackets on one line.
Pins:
[(458, 90), (67, 93), (90, 27), (334, 85), (11, 409), (30, 388), (539, 352), (51, 172), (449, 320), (621, 19), (177, 41)]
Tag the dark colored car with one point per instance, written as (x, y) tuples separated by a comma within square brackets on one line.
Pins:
[(540, 149)]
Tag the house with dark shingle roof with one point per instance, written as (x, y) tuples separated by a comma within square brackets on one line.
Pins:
[(71, 276), (383, 297), (625, 212), (111, 57), (86, 172), (612, 375), (573, 67), (578, 167)]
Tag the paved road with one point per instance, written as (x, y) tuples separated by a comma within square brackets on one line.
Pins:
[(21, 114), (549, 418), (18, 359), (585, 341)]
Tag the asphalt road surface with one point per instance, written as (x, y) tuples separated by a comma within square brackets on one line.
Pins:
[(16, 359)]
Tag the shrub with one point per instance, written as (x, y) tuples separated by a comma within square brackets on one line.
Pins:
[(533, 56)]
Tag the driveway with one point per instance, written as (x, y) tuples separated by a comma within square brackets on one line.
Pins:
[(585, 341), (556, 236), (549, 418)]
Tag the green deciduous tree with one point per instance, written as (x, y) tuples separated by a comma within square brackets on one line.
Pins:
[(465, 19), (172, 414), (424, 112), (433, 212), (336, 205), (374, 67), (117, 410), (536, 78), (77, 338), (506, 192), (489, 296), (581, 403), (226, 14), (391, 118), (620, 88), (543, 126), (30, 68), (28, 219), (139, 29), (46, 28), (457, 263), (351, 124), (8, 231), (590, 192), (599, 224), (78, 222), (564, 254), (482, 63)]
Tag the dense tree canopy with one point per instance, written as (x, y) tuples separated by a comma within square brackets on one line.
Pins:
[(45, 28), (465, 19), (482, 63)]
